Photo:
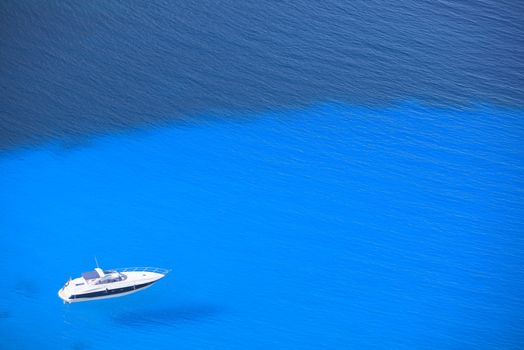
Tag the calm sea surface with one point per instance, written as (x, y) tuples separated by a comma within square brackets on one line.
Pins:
[(317, 175)]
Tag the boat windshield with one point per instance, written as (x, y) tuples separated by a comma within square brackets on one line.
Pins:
[(111, 278)]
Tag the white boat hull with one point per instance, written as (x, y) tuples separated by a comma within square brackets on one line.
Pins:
[(109, 296), (128, 282)]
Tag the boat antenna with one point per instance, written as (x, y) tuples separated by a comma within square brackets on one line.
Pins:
[(96, 261)]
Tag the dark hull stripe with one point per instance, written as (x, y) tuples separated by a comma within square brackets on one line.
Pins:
[(110, 291)]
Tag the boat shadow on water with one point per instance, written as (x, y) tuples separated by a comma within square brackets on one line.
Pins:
[(169, 316)]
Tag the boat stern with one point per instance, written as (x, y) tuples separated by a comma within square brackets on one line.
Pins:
[(65, 294)]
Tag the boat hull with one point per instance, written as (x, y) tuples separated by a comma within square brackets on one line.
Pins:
[(100, 295), (81, 289)]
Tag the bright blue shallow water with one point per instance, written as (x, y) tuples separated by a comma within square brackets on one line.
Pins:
[(269, 154), (331, 227)]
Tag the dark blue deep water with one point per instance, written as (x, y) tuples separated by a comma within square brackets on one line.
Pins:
[(317, 175)]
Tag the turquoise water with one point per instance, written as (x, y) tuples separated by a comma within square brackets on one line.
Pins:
[(317, 175), (331, 227)]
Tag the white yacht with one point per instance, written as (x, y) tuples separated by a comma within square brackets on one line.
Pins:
[(103, 284)]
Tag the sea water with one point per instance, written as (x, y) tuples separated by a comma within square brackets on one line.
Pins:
[(332, 227), (336, 176)]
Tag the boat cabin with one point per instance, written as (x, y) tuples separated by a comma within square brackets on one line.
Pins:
[(99, 276)]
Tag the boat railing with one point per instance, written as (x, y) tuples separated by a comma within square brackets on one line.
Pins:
[(143, 269)]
